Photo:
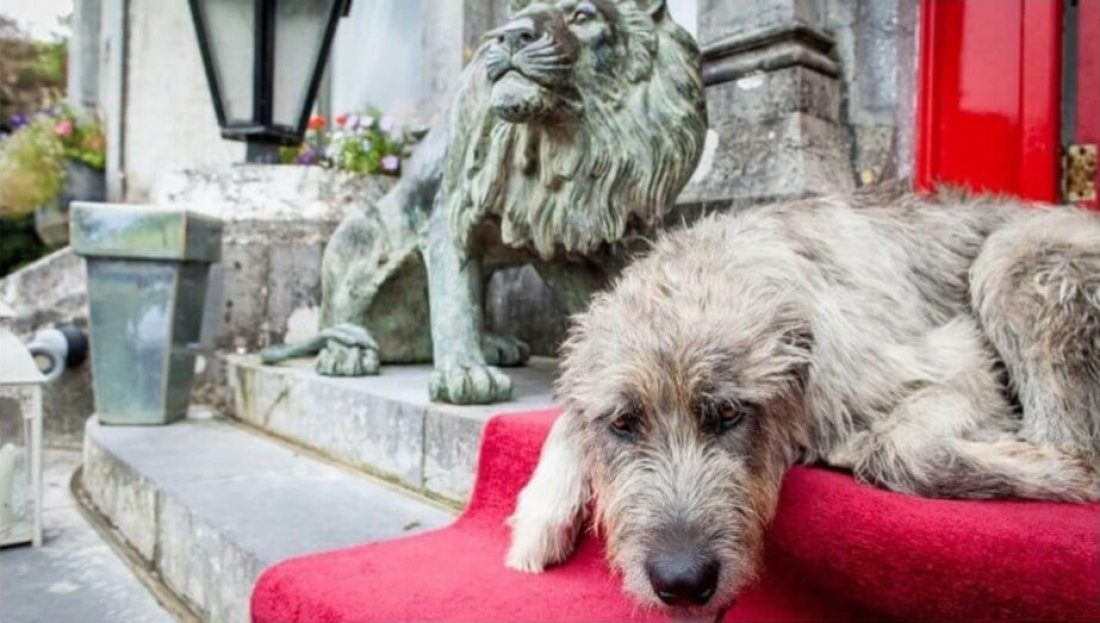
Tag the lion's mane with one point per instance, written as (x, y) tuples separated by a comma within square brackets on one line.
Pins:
[(574, 187)]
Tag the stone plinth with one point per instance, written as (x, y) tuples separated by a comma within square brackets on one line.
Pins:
[(208, 505), (383, 424)]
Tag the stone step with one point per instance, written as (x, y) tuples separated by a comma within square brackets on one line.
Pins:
[(208, 504), (383, 424)]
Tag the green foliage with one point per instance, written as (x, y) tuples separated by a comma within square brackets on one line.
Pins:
[(33, 169), (32, 73), (368, 143), (32, 160), (19, 244)]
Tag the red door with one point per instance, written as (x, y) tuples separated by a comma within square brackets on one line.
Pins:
[(991, 93)]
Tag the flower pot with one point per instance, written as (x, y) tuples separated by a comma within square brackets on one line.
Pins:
[(147, 274), (82, 183)]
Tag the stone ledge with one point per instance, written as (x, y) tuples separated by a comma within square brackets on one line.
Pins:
[(384, 424), (208, 505)]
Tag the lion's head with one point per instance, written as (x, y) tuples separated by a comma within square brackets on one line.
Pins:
[(576, 119)]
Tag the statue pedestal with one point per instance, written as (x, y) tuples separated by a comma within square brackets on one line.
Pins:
[(381, 424)]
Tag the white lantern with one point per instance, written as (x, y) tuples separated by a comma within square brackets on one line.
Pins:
[(20, 443)]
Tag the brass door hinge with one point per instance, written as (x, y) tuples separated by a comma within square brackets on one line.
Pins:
[(1079, 173)]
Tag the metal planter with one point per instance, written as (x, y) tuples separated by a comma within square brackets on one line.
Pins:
[(82, 183), (147, 276)]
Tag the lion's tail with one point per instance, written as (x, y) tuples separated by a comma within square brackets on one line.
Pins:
[(301, 348)]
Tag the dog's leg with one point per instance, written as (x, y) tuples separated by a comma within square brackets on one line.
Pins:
[(952, 436), (1036, 289), (552, 507)]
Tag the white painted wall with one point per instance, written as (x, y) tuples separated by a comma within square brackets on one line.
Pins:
[(169, 120)]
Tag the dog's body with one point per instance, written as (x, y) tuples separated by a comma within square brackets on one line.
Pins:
[(863, 332)]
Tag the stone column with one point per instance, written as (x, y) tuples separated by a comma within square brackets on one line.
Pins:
[(452, 31), (774, 94)]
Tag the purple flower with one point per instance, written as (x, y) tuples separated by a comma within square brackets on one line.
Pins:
[(18, 121), (306, 156), (391, 163), (386, 124)]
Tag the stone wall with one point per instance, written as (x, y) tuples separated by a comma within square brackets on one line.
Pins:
[(805, 97)]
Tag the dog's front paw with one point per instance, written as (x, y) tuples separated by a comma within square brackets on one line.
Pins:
[(469, 384), (538, 543)]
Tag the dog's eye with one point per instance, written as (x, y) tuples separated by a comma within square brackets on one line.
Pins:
[(624, 425), (722, 417)]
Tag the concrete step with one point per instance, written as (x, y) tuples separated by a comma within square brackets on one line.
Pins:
[(208, 504), (384, 424)]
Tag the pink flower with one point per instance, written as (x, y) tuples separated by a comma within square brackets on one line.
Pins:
[(386, 124), (391, 163), (63, 128)]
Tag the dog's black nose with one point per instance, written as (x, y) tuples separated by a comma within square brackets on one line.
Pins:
[(684, 579)]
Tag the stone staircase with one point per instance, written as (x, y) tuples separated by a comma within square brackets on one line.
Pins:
[(302, 464)]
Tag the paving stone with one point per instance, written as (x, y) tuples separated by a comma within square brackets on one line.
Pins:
[(75, 577)]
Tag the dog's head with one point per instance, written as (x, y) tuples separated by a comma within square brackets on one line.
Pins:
[(684, 389)]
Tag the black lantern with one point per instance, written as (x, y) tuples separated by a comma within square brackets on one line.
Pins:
[(264, 60)]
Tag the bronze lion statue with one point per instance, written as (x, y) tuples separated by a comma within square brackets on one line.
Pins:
[(575, 126)]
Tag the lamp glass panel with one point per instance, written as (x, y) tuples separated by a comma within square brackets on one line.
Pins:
[(230, 34), (16, 490), (299, 36)]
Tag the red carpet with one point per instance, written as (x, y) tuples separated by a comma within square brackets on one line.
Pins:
[(838, 551)]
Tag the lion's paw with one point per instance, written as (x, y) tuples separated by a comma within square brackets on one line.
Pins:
[(338, 359), (504, 350), (469, 384)]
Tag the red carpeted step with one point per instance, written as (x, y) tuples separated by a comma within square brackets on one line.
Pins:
[(838, 551)]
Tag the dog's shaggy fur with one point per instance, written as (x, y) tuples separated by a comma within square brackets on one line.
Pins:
[(944, 346)]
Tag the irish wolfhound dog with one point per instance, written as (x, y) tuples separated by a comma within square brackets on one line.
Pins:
[(942, 347)]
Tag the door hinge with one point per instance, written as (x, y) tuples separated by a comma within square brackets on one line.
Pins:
[(1079, 173)]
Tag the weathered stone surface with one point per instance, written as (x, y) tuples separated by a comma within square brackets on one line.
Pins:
[(228, 503), (795, 156), (50, 291), (381, 424), (75, 577), (122, 493), (767, 96)]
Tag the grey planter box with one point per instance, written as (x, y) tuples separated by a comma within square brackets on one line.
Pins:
[(82, 183), (147, 274)]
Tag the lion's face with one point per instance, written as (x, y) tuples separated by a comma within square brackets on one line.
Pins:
[(576, 120), (538, 60)]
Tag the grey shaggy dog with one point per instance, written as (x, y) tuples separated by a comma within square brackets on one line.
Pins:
[(944, 346)]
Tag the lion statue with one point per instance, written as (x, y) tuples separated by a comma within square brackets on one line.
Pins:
[(575, 126)]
